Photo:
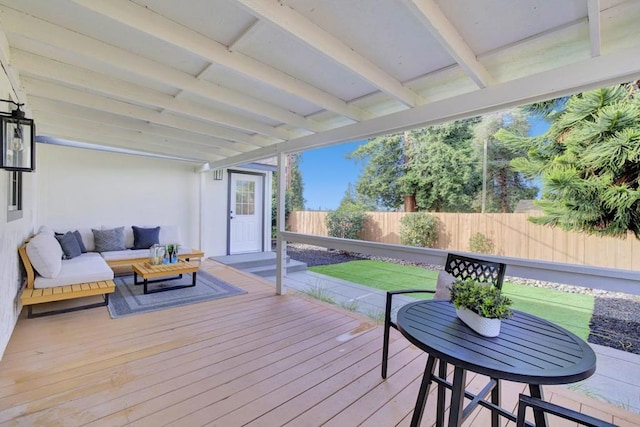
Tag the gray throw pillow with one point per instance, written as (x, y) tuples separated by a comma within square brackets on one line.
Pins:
[(109, 240), (69, 244), (83, 249), (144, 238)]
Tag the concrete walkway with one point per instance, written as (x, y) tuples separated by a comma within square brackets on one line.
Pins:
[(617, 377)]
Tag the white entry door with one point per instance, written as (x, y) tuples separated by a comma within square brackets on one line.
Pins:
[(246, 213)]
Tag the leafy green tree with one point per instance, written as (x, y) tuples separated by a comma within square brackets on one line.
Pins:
[(437, 165), (589, 162), (383, 159), (296, 186), (505, 187), (441, 168), (352, 198)]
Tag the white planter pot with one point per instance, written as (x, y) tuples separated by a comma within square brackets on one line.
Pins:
[(482, 325)]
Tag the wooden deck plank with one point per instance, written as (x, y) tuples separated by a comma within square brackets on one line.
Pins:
[(255, 358)]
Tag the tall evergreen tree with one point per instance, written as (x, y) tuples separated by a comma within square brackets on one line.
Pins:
[(505, 187), (383, 159), (589, 162), (437, 165), (296, 185)]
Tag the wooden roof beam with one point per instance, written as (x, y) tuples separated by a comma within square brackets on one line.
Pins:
[(292, 22), (432, 17), (145, 20)]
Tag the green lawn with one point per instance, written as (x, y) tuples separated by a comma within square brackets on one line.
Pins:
[(572, 311)]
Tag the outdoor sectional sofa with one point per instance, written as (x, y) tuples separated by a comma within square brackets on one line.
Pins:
[(80, 263)]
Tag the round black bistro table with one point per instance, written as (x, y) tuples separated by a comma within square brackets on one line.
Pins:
[(529, 350)]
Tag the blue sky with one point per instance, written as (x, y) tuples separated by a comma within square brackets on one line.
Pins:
[(326, 172)]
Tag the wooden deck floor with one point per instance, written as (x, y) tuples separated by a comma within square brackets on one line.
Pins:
[(257, 359)]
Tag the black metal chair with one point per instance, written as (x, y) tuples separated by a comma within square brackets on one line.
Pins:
[(459, 267), (550, 408)]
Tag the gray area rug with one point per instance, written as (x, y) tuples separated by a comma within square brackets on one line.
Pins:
[(129, 299)]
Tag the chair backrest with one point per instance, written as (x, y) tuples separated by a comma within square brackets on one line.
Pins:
[(557, 410), (462, 267)]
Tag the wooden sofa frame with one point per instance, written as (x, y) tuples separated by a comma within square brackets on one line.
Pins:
[(31, 296)]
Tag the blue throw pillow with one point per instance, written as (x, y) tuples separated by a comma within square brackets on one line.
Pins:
[(83, 249), (69, 245), (144, 238)]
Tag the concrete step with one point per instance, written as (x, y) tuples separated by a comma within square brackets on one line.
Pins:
[(261, 264), (246, 261), (270, 270)]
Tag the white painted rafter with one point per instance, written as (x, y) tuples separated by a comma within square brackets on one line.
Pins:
[(62, 38), (595, 36), (144, 19), (71, 112), (292, 22), (432, 17), (621, 66), (120, 138), (88, 100), (12, 74), (90, 81), (245, 33)]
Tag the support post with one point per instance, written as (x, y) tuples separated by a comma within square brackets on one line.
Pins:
[(281, 245)]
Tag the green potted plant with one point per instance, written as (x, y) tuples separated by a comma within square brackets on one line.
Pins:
[(480, 306)]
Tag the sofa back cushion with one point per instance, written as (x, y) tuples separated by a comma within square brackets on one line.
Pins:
[(69, 244), (144, 238), (170, 234), (45, 254), (109, 240)]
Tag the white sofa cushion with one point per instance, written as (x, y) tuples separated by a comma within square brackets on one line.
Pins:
[(169, 234), (134, 253), (45, 254), (126, 254), (88, 267)]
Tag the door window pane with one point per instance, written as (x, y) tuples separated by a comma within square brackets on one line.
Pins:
[(245, 197)]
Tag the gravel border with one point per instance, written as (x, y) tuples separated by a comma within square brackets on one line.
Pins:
[(616, 316)]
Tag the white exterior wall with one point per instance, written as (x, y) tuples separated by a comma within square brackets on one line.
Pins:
[(12, 235), (86, 188)]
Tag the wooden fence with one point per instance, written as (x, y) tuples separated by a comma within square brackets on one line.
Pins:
[(512, 235)]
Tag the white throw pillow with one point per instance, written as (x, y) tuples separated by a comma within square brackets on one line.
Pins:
[(169, 234), (45, 254), (442, 286), (44, 229)]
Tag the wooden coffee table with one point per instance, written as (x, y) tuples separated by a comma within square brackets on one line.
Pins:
[(148, 271)]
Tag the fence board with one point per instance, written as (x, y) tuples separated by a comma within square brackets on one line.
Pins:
[(513, 235)]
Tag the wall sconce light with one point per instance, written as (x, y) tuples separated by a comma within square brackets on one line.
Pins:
[(217, 175), (18, 135)]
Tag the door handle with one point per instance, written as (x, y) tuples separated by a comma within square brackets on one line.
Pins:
[(231, 216)]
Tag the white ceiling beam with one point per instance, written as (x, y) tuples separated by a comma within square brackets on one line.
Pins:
[(432, 17), (251, 28), (47, 69), (147, 21), (118, 138), (48, 90), (595, 36), (292, 22), (62, 38), (608, 69), (70, 111), (12, 74), (166, 146)]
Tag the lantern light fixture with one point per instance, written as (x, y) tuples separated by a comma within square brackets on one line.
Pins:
[(18, 136)]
